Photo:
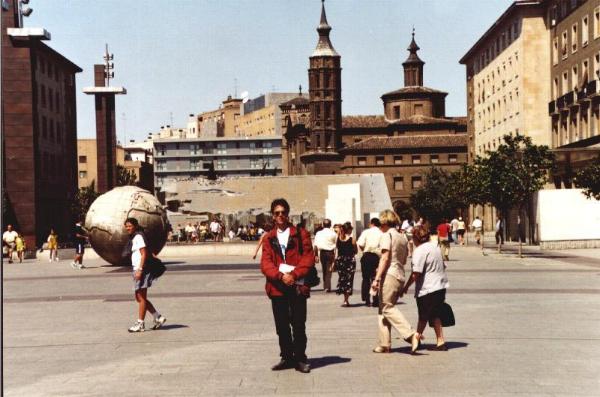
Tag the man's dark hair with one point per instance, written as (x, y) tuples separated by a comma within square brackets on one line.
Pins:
[(326, 222), (282, 202), (375, 222), (134, 222)]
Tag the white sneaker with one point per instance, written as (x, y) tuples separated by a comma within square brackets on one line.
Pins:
[(56, 259), (80, 266), (158, 322), (74, 265), (137, 327), (50, 260)]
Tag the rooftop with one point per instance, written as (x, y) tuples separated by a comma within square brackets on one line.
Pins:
[(410, 141), (360, 121), (414, 90)]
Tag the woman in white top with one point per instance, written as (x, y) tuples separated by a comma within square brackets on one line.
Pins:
[(142, 276)]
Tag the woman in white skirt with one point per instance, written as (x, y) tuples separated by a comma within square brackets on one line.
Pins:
[(141, 276)]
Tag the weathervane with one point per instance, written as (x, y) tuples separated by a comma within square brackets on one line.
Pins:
[(108, 66), (23, 11)]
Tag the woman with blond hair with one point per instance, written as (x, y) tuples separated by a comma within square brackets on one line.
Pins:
[(389, 282), (431, 281)]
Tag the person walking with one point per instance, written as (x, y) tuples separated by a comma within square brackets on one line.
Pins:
[(325, 241), (389, 281), (53, 246), (345, 263), (477, 226), (499, 234), (443, 230), (142, 277), (368, 242), (461, 230), (431, 282), (454, 227), (9, 238), (214, 229), (287, 257), (81, 238), (20, 246)]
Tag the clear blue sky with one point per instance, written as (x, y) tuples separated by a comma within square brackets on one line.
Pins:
[(182, 56)]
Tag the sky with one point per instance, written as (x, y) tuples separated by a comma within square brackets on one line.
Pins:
[(178, 57)]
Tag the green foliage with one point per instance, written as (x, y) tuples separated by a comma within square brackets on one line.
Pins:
[(83, 200), (434, 200), (125, 177), (403, 210), (589, 179), (508, 176)]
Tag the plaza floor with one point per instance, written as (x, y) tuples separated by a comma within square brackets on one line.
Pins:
[(527, 327)]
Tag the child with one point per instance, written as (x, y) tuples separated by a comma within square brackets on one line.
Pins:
[(53, 245), (20, 242)]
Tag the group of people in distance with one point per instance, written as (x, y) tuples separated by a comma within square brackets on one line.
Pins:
[(288, 256), (14, 242)]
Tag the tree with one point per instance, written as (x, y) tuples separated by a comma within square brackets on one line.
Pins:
[(125, 177), (589, 179), (509, 176), (431, 201), (83, 200)]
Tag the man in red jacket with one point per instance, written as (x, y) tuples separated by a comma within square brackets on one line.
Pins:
[(287, 257)]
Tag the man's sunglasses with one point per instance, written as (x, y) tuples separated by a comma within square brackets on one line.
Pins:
[(277, 213)]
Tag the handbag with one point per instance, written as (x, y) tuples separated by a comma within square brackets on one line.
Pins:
[(312, 278), (446, 316)]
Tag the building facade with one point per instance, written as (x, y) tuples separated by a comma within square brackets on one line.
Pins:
[(39, 131), (192, 158), (413, 135)]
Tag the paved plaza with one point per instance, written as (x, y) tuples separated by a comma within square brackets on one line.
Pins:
[(524, 327)]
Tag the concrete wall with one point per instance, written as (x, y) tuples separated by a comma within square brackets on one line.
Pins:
[(567, 219)]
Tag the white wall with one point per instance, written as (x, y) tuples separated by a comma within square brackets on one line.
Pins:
[(566, 214)]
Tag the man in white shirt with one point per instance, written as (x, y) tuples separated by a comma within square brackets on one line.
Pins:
[(9, 237), (454, 224), (477, 226), (499, 235), (368, 242), (325, 240), (215, 229)]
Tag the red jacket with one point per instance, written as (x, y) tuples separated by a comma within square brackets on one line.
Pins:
[(272, 258)]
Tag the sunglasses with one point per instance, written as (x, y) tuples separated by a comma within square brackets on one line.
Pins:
[(277, 213)]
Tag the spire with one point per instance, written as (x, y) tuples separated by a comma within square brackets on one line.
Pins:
[(413, 66), (413, 48), (324, 46)]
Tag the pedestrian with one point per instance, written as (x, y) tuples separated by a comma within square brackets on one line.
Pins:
[(81, 238), (499, 234), (268, 227), (431, 282), (477, 226), (287, 257), (345, 264), (53, 246), (443, 231), (9, 238), (20, 246), (407, 228), (389, 281), (142, 277), (454, 226), (461, 230), (214, 229), (368, 242), (325, 240)]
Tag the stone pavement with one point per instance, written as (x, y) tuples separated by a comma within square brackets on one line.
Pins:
[(524, 327)]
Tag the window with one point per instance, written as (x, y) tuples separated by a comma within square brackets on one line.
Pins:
[(435, 158), (418, 109), (267, 147), (416, 182), (563, 45), (221, 164), (555, 51), (565, 83), (44, 127), (221, 148), (362, 160), (397, 160), (574, 38), (57, 102), (161, 166), (194, 148), (82, 174), (597, 66), (416, 159), (398, 183), (51, 98), (254, 163), (396, 112), (574, 78), (584, 73), (452, 158), (82, 159), (379, 160), (555, 91), (596, 22), (43, 92), (585, 31), (195, 164)]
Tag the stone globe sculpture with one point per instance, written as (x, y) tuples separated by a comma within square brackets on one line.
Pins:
[(106, 216)]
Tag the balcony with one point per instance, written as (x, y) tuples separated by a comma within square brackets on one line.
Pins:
[(560, 102), (569, 98), (591, 89), (552, 107)]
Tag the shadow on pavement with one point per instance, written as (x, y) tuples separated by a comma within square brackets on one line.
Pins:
[(327, 360), (172, 326)]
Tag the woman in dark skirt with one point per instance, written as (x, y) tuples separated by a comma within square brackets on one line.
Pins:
[(345, 263)]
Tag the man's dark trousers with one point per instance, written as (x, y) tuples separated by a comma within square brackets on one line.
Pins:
[(368, 267), (326, 259), (289, 312)]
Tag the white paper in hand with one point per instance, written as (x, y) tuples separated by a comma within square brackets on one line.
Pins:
[(285, 268)]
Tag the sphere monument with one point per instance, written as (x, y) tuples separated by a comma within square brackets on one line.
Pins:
[(106, 216)]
